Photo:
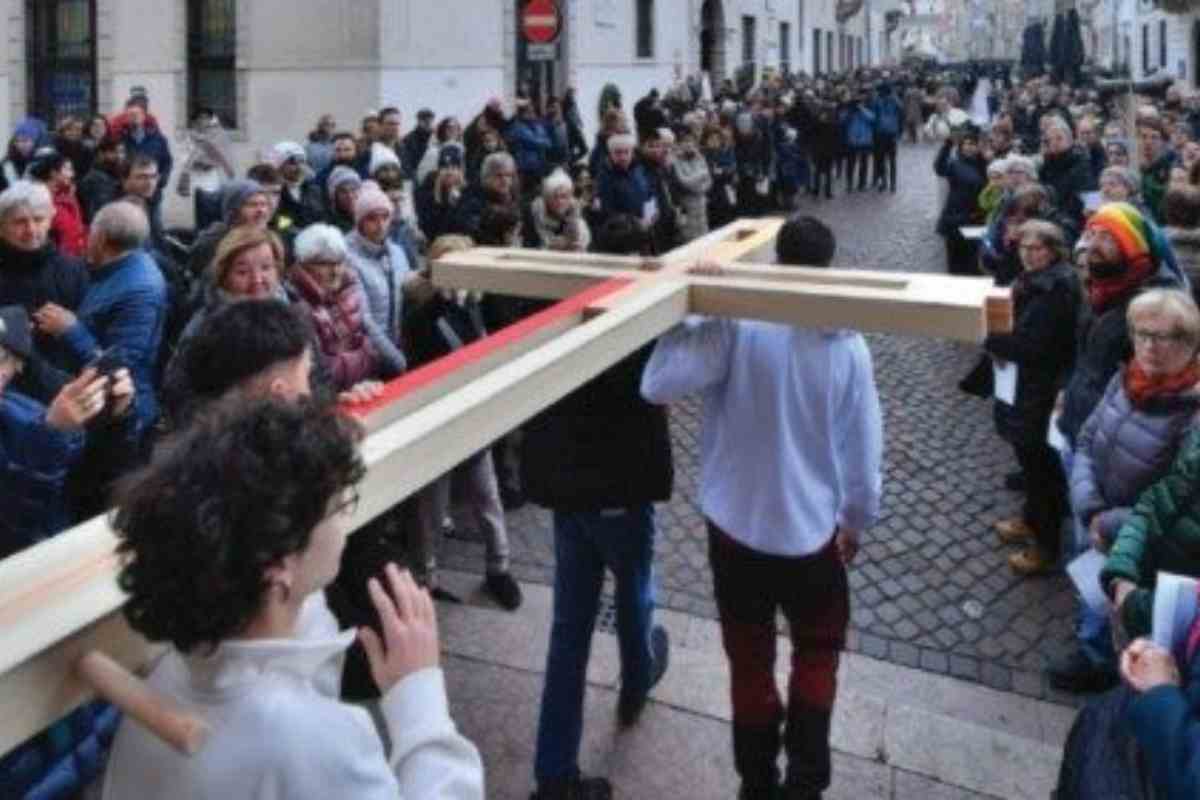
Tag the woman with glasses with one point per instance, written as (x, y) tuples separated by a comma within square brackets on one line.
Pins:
[(1047, 298), (1127, 444)]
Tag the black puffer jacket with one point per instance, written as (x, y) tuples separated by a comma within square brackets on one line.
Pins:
[(967, 177), (602, 446), (1067, 175), (1046, 314), (30, 280)]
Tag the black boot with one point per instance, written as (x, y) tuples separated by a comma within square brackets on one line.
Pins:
[(756, 756), (809, 768)]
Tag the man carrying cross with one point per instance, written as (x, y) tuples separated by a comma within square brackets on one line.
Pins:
[(790, 476)]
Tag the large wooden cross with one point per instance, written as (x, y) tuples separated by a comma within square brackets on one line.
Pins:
[(59, 600)]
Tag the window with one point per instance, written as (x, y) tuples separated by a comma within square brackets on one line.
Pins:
[(816, 51), (829, 51), (785, 47), (1145, 48), (212, 59), (60, 47), (1162, 43), (645, 28), (748, 25)]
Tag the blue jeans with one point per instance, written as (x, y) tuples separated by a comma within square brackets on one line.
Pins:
[(585, 543)]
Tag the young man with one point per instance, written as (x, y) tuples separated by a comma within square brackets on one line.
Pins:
[(790, 477)]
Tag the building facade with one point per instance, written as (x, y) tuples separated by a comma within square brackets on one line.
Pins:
[(271, 67)]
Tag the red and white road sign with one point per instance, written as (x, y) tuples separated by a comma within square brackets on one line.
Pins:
[(540, 21)]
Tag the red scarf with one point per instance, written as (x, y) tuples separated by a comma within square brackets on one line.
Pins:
[(1141, 388), (1107, 290)]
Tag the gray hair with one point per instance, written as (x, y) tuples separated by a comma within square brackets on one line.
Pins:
[(1174, 305), (494, 163), (123, 225), (320, 244), (1022, 164), (1056, 123), (26, 195), (556, 181), (1125, 175), (621, 140)]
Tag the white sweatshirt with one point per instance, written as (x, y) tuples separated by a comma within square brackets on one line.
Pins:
[(278, 733), (792, 436)]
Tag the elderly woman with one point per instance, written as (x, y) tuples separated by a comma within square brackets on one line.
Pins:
[(558, 222), (329, 294), (1066, 169), (1119, 185), (388, 276), (33, 272), (243, 203), (1128, 443), (1160, 533), (342, 188), (256, 505), (1046, 302)]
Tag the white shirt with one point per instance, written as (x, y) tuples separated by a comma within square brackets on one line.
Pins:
[(278, 733), (792, 436)]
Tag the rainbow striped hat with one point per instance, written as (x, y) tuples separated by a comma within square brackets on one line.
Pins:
[(1134, 234)]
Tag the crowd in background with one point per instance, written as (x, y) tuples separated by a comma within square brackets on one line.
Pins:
[(306, 274)]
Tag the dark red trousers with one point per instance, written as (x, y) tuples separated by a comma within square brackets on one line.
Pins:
[(813, 594)]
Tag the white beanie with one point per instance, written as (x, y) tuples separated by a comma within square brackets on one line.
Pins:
[(282, 151), (381, 154)]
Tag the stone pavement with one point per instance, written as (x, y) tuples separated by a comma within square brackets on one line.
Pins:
[(898, 733), (931, 588)]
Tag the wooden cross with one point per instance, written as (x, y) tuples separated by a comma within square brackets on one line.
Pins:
[(59, 602)]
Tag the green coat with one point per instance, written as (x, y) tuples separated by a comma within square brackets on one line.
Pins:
[(1162, 535)]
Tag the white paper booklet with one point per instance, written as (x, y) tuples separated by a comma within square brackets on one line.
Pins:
[(1175, 603), (1005, 381)]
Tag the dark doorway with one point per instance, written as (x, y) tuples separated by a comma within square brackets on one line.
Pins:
[(712, 40)]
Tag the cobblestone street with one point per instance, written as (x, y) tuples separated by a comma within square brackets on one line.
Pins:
[(931, 588)]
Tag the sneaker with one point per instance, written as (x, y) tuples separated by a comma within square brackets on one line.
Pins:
[(629, 709), (504, 590), (1078, 674), (577, 788), (1015, 481), (1030, 561), (1013, 531), (444, 596)]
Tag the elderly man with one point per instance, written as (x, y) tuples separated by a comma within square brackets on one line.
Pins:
[(790, 477), (33, 273), (121, 315)]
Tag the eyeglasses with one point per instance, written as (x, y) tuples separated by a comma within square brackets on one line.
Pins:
[(1148, 338)]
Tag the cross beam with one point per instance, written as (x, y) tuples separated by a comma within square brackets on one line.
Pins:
[(59, 600)]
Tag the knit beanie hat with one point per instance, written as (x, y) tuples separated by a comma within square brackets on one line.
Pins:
[(381, 154), (234, 196), (1130, 230), (282, 152), (370, 199), (340, 176)]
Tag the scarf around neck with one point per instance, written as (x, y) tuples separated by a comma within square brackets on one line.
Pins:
[(1142, 388)]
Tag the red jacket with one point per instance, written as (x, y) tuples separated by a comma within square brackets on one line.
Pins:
[(341, 330), (67, 228)]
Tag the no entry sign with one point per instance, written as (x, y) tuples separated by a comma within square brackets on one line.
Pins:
[(540, 21)]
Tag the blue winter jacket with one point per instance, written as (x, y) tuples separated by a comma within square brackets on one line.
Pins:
[(1166, 723), (33, 475), (859, 127), (61, 761), (154, 145), (124, 308), (531, 146), (888, 115), (624, 191)]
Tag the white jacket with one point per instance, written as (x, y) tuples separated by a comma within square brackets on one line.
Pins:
[(278, 733)]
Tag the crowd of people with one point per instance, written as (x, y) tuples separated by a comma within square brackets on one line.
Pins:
[(185, 377)]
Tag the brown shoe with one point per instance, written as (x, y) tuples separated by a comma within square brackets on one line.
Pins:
[(1030, 561), (1013, 531)]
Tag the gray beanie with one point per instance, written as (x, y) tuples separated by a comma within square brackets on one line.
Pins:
[(339, 176), (234, 196)]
